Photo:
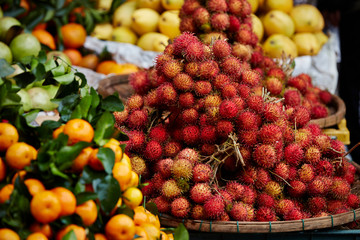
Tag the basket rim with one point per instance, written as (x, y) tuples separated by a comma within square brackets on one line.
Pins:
[(263, 227)]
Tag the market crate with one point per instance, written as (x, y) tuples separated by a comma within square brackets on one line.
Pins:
[(341, 132)]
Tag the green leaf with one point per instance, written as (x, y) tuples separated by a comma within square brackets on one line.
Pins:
[(55, 171), (84, 106), (70, 236), (39, 72), (112, 103), (66, 78), (79, 188), (67, 154), (49, 15), (82, 79), (88, 175), (108, 190), (24, 79), (181, 233), (85, 196), (5, 68), (31, 116), (66, 106), (107, 158), (152, 208), (58, 71), (104, 128), (50, 64)]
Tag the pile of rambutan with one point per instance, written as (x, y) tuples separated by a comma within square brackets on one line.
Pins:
[(211, 144)]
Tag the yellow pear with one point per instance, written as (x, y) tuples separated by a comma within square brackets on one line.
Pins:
[(172, 4), (147, 41), (153, 4), (306, 44), (104, 5), (307, 18), (277, 21), (160, 42), (102, 31), (321, 37), (169, 23), (124, 35), (277, 44), (122, 14), (254, 5), (257, 27), (144, 20), (282, 5)]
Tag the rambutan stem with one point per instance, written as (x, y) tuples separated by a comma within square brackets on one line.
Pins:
[(352, 149), (281, 178)]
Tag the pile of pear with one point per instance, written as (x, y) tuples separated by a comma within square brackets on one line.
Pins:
[(149, 24), (285, 28)]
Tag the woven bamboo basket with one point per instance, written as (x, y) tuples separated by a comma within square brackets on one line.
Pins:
[(116, 83), (337, 113)]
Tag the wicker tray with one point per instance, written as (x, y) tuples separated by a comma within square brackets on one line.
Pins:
[(116, 83), (263, 227), (337, 113)]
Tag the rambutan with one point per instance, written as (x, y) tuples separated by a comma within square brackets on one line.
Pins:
[(270, 134), (282, 171), (303, 137), (136, 140), (317, 204), (272, 112), (297, 189), (294, 214), (121, 117), (201, 172), (248, 137), (265, 214), (273, 188), (240, 103), (306, 173), (183, 82), (159, 133), (334, 205), (220, 21), (208, 134), (242, 212), (191, 134), (182, 41), (229, 91), (172, 148), (246, 36), (256, 103), (235, 6), (192, 68), (249, 195), (265, 155), (139, 81), (221, 48), (182, 168), (251, 77), (340, 188), (217, 6), (189, 154), (242, 51), (292, 97), (163, 205), (214, 207), (186, 99), (325, 97), (276, 72), (244, 91), (224, 128), (189, 7), (194, 51), (300, 117), (273, 85), (337, 149), (228, 109), (207, 149), (200, 192), (235, 189), (164, 167), (148, 190), (167, 94), (312, 155), (189, 116), (353, 201), (284, 206), (248, 120), (202, 88), (201, 16), (248, 176), (265, 200), (298, 83), (180, 207), (170, 189), (151, 98), (232, 67), (138, 165), (208, 69), (153, 150), (263, 177), (197, 212), (257, 58), (135, 101), (171, 68), (157, 181), (319, 111), (137, 119)]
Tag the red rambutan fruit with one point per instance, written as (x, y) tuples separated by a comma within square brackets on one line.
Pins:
[(208, 69), (229, 91), (248, 120), (220, 81), (248, 137), (224, 128), (265, 200), (281, 171), (294, 214), (217, 6), (121, 117), (270, 133), (137, 119), (256, 103), (337, 149), (235, 6), (306, 173), (298, 83), (208, 134), (334, 205), (297, 189), (171, 68), (159, 133), (214, 207), (164, 167), (202, 88), (265, 214), (325, 97), (232, 67), (189, 7), (191, 134), (220, 21), (136, 140), (244, 91), (135, 102), (189, 154), (139, 81), (273, 188), (284, 206), (170, 189), (200, 192), (274, 85), (167, 94), (163, 205), (288, 135), (192, 68), (246, 36), (245, 10), (292, 97), (180, 207), (183, 82), (242, 212), (182, 169), (340, 188), (248, 176), (151, 98), (148, 190), (353, 201), (153, 150), (277, 73), (293, 154), (198, 212), (263, 177), (303, 137), (189, 116), (249, 195), (182, 41), (240, 103), (312, 155), (272, 112), (186, 99), (221, 48), (187, 24), (234, 25), (251, 77), (314, 129), (241, 51), (257, 58), (235, 189), (317, 204), (207, 149), (201, 16), (265, 155), (212, 101), (319, 111), (194, 51), (300, 117), (201, 172), (228, 109)]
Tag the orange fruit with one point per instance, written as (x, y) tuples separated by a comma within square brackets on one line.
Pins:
[(89, 61), (134, 179), (41, 26), (78, 130), (125, 68), (153, 219), (94, 162), (41, 228), (8, 234), (81, 160), (163, 236), (125, 159), (152, 231), (120, 227), (2, 170), (87, 211), (75, 11), (170, 236), (20, 173), (104, 67), (122, 173), (114, 145), (45, 38), (99, 236), (19, 155), (140, 217), (79, 231), (5, 192), (74, 55), (132, 197), (73, 34), (57, 131), (34, 186), (8, 135), (140, 231), (45, 206), (67, 200), (37, 236)]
